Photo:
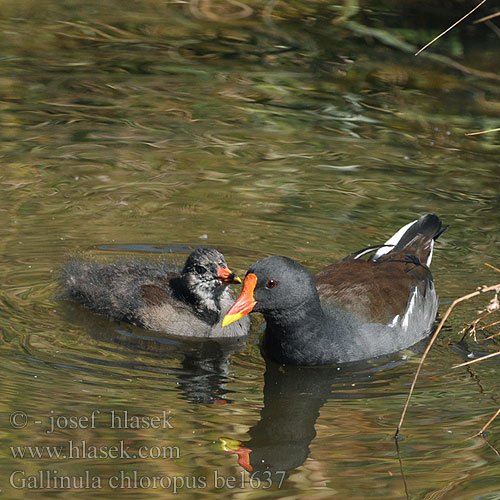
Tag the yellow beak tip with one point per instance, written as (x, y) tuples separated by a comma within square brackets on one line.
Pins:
[(237, 279), (230, 318)]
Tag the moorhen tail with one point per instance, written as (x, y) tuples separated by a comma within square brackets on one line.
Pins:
[(158, 296), (349, 311)]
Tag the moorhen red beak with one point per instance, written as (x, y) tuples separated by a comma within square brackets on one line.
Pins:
[(245, 302)]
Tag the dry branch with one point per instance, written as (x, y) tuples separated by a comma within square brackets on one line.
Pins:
[(477, 360), (485, 426), (450, 28), (481, 290)]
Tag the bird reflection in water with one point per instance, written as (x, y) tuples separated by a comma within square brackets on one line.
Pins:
[(205, 364), (293, 396)]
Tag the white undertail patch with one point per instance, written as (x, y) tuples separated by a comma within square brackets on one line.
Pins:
[(393, 241), (368, 250)]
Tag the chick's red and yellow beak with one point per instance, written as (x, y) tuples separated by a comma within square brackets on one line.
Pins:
[(226, 275), (245, 302)]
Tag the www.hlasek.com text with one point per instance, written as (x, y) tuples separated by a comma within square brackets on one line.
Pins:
[(84, 450)]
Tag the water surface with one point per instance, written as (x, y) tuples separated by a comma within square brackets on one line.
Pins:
[(148, 127)]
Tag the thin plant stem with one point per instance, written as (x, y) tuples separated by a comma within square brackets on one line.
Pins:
[(477, 360), (482, 290), (488, 423), (450, 28)]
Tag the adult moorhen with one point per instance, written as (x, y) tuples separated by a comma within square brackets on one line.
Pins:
[(190, 301), (352, 310)]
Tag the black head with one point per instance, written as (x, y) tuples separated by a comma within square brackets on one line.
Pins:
[(273, 285), (205, 277), (207, 267)]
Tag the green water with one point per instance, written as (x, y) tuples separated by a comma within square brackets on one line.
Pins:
[(135, 128)]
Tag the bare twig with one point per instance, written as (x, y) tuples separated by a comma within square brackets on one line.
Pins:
[(393, 41), (492, 336), (471, 327), (401, 468), (480, 291), (477, 360), (488, 423), (484, 132), (450, 28), (489, 265), (486, 18), (490, 446)]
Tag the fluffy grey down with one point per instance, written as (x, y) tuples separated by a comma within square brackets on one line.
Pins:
[(153, 295)]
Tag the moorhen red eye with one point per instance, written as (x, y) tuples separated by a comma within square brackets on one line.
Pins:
[(349, 311), (271, 284), (157, 295)]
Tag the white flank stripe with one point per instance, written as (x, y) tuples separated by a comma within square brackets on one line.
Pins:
[(429, 259), (409, 310)]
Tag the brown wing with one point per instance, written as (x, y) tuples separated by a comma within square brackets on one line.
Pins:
[(159, 292), (374, 291)]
